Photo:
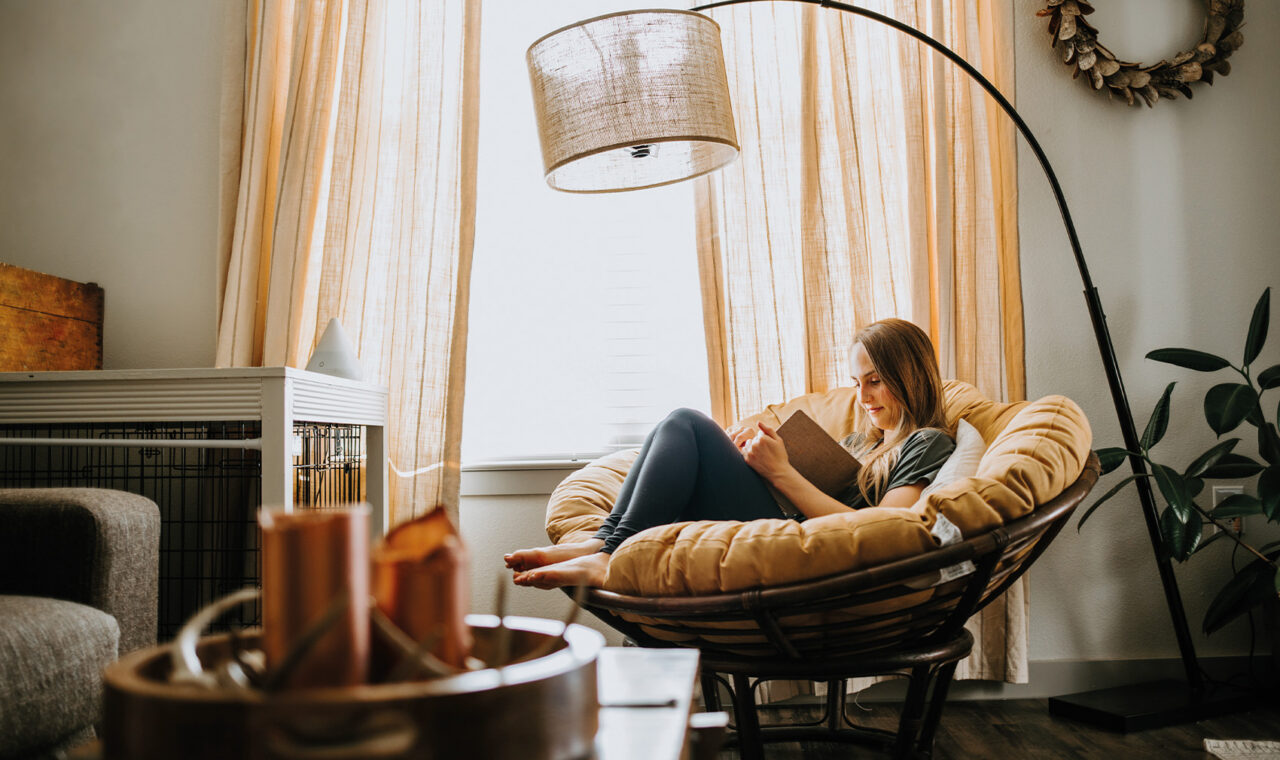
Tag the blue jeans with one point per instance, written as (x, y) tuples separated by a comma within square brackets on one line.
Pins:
[(688, 469)]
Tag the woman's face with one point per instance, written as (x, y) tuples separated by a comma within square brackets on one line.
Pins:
[(875, 399)]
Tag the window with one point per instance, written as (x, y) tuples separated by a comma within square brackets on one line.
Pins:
[(586, 320)]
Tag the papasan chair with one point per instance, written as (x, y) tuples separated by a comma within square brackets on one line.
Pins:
[(873, 592)]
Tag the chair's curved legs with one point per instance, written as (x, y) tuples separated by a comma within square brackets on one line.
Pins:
[(710, 691), (750, 741), (835, 705), (936, 703), (926, 697), (912, 711)]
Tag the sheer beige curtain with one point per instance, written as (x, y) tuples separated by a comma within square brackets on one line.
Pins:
[(349, 148), (874, 181)]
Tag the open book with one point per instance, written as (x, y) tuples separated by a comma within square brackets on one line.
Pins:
[(818, 457)]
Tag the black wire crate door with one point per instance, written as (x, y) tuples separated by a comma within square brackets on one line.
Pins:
[(208, 497)]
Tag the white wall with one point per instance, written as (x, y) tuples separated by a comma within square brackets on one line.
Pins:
[(505, 511), (1177, 214), (108, 172), (108, 164)]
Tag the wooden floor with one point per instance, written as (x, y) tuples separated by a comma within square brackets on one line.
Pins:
[(1018, 729)]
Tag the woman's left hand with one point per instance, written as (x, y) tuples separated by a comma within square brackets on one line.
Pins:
[(766, 453)]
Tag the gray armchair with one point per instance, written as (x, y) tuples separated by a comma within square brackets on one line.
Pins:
[(79, 574)]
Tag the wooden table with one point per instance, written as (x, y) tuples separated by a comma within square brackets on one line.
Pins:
[(646, 696)]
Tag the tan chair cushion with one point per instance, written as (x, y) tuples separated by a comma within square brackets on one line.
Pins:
[(1035, 449)]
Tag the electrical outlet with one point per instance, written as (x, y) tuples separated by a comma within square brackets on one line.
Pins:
[(1220, 494)]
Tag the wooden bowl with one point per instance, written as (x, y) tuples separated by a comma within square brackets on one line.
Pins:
[(542, 709)]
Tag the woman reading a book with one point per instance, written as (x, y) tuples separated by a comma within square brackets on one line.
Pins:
[(691, 469)]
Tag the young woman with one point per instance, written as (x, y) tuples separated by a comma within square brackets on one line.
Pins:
[(690, 469)]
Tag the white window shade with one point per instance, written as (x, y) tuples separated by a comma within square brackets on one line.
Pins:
[(585, 321)]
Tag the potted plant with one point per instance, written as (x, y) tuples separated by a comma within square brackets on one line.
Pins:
[(1227, 406)]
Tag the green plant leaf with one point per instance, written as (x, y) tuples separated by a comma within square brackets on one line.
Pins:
[(1269, 377), (1269, 492), (1159, 422), (1210, 458), (1114, 490), (1268, 547), (1269, 443), (1190, 359), (1250, 587), (1209, 541), (1194, 486), (1180, 537), (1258, 328), (1226, 405), (1174, 489), (1192, 536), (1112, 457), (1233, 466), (1237, 505)]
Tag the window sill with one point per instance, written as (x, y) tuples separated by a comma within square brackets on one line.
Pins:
[(501, 465), (517, 477)]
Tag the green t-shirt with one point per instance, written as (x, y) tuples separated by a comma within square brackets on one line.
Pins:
[(922, 455)]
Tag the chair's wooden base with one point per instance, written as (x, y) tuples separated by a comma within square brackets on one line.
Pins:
[(929, 670)]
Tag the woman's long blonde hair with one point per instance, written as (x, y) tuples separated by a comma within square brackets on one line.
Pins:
[(903, 358)]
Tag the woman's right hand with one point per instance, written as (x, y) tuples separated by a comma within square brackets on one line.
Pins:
[(767, 454)]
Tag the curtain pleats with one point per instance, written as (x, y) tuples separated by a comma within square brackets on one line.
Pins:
[(356, 200), (875, 180)]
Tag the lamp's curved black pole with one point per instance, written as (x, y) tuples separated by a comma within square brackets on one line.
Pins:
[(1097, 317)]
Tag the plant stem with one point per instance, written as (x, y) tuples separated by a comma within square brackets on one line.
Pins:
[(1234, 537), (1257, 392)]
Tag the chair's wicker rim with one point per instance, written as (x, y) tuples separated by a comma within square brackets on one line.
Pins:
[(854, 580)]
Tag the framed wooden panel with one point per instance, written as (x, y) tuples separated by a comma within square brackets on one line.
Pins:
[(48, 323)]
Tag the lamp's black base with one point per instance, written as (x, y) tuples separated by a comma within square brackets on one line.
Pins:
[(1143, 706)]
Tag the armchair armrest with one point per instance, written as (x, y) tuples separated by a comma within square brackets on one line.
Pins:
[(93, 546)]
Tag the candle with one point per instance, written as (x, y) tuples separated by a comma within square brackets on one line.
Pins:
[(315, 570)]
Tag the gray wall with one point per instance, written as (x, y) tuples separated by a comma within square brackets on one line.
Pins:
[(108, 172), (108, 164)]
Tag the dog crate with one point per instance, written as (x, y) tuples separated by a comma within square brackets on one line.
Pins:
[(209, 447)]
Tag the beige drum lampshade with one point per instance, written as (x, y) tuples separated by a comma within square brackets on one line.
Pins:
[(632, 100)]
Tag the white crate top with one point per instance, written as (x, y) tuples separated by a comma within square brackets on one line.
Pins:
[(215, 394)]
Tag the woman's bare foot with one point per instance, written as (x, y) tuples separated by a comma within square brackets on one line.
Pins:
[(528, 559), (588, 570)]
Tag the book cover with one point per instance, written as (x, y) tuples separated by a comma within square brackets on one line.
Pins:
[(817, 456)]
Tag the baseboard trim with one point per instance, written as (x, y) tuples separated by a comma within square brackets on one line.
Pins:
[(1052, 678)]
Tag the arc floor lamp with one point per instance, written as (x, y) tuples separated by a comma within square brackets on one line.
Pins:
[(640, 99)]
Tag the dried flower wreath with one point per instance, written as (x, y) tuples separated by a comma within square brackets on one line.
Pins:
[(1132, 81)]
